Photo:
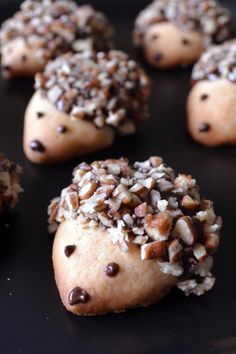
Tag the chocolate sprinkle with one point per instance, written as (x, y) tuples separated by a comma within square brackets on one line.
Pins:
[(78, 296), (204, 128), (36, 145), (112, 269), (69, 250), (61, 129)]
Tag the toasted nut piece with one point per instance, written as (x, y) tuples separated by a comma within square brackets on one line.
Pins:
[(184, 182), (154, 250), (87, 190), (105, 189), (212, 242), (155, 161), (199, 252), (107, 179), (121, 192), (189, 203), (139, 190), (141, 210), (72, 201), (114, 168), (149, 183), (158, 226), (175, 251), (185, 231), (105, 220)]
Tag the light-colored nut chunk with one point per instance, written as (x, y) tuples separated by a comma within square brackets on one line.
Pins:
[(87, 190), (189, 203), (155, 161), (141, 210), (199, 252), (158, 226), (185, 231), (154, 250), (174, 251), (212, 242)]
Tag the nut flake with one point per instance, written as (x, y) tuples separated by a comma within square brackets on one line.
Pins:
[(128, 202)]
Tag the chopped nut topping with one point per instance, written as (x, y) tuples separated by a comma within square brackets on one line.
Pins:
[(82, 86), (154, 250), (53, 27), (130, 203), (9, 183), (207, 17), (217, 62)]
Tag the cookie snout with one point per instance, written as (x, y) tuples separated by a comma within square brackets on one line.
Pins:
[(51, 136), (211, 112), (165, 45), (19, 60)]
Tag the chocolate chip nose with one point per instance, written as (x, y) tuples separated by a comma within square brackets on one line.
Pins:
[(78, 296), (36, 145), (6, 68)]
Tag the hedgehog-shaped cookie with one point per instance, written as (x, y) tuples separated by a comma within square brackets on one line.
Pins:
[(44, 29), (175, 32), (212, 101), (129, 233), (82, 101)]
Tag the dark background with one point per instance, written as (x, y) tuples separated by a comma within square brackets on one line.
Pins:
[(32, 319)]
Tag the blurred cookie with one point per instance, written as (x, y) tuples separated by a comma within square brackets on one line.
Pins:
[(212, 101), (9, 184), (44, 29), (81, 102), (129, 233), (175, 32)]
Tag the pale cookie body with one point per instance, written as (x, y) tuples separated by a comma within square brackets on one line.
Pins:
[(18, 59), (212, 112), (175, 32), (51, 136), (130, 232), (137, 283), (166, 45)]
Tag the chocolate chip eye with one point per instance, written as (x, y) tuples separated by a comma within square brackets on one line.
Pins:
[(78, 296), (158, 57), (112, 269), (40, 114), (185, 41), (36, 145), (204, 127), (24, 58), (154, 37), (61, 129), (204, 97), (69, 250)]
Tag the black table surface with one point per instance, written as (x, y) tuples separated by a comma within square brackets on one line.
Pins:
[(32, 318)]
